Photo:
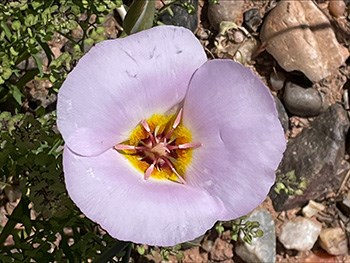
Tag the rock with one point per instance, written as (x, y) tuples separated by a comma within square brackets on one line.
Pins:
[(12, 193), (300, 233), (334, 241), (282, 114), (222, 250), (313, 158), (312, 208), (319, 256), (252, 19), (207, 245), (262, 249), (277, 80), (193, 255), (225, 11), (344, 205), (300, 37), (182, 17), (238, 37), (227, 43), (304, 102), (336, 8)]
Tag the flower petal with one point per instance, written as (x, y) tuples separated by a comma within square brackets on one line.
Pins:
[(119, 82), (232, 114), (112, 193)]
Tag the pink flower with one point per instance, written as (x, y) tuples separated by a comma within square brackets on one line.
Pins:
[(160, 142)]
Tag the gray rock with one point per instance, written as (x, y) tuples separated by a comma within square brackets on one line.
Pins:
[(262, 249), (314, 157), (300, 233), (181, 17), (225, 11), (277, 80), (282, 114), (304, 102), (252, 19), (300, 37), (344, 205), (334, 241)]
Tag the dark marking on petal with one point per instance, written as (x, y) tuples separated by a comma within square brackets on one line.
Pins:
[(151, 55), (178, 51), (131, 75), (128, 54)]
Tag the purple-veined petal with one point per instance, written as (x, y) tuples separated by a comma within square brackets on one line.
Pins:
[(111, 192), (119, 82), (233, 115)]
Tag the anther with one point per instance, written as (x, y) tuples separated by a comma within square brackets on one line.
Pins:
[(149, 171), (184, 146)]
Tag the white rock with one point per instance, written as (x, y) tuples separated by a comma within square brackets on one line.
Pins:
[(312, 208), (300, 233)]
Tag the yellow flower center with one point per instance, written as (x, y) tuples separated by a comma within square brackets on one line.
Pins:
[(160, 147)]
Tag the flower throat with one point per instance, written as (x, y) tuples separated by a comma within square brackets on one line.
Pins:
[(160, 147)]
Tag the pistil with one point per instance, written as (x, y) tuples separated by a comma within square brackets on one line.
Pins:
[(159, 149)]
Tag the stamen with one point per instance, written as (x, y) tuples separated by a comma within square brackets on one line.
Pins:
[(178, 119), (148, 129), (175, 124), (182, 180), (123, 147), (184, 146), (145, 126), (149, 171)]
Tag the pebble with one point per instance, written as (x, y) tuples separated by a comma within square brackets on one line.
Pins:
[(261, 249), (225, 11), (238, 36), (181, 17), (312, 209), (344, 205), (305, 158), (291, 35), (221, 251), (336, 8), (300, 233), (303, 102), (12, 193), (252, 19), (277, 80), (282, 114), (334, 241)]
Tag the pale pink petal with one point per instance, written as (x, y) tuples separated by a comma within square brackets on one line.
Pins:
[(232, 114), (112, 193), (120, 82)]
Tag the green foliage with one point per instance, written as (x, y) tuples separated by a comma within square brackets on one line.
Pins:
[(26, 29), (140, 16), (241, 227), (30, 158), (290, 184), (247, 230)]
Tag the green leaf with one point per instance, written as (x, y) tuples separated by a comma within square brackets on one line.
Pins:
[(6, 30), (20, 210), (118, 247), (39, 64), (17, 94), (47, 51), (140, 16)]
